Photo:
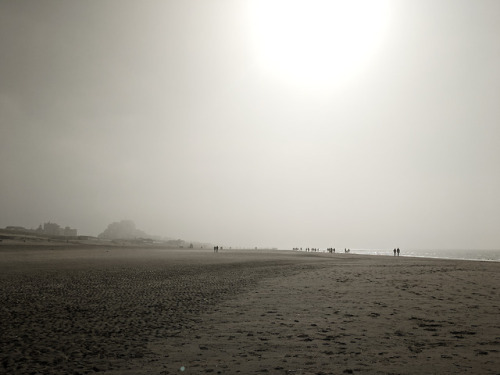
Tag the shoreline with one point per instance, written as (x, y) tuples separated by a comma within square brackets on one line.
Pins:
[(16, 245)]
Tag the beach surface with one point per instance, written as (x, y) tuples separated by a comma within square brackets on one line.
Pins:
[(73, 309)]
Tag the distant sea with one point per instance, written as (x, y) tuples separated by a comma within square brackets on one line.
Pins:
[(483, 255)]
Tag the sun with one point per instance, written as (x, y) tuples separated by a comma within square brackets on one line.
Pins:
[(316, 41)]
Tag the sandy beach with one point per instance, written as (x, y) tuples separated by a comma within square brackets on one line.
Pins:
[(91, 309)]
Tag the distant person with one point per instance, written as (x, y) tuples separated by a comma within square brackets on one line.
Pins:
[(398, 251), (394, 251)]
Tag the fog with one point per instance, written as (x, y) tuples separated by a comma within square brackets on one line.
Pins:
[(165, 113)]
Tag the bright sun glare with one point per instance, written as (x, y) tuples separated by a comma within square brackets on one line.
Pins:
[(316, 41)]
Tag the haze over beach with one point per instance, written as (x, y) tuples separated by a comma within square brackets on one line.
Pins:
[(195, 138), (360, 124)]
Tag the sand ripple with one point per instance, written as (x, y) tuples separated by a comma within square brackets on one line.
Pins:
[(92, 319)]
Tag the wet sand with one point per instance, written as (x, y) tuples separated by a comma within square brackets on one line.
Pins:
[(82, 310)]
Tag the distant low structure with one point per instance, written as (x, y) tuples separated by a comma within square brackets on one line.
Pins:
[(125, 232), (47, 230), (122, 230), (53, 229), (13, 228)]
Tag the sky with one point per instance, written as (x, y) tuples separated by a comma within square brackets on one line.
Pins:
[(360, 124)]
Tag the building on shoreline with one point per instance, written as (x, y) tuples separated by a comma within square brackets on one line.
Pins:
[(53, 229)]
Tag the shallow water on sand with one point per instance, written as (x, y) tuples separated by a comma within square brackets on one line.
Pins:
[(468, 254)]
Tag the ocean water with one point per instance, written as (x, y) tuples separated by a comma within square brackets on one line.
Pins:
[(471, 254)]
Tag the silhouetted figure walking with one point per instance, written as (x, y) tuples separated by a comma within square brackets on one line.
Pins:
[(394, 251), (398, 251)]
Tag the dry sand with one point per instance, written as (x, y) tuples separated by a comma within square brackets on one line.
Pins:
[(81, 310)]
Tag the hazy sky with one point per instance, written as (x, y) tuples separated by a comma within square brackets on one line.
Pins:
[(255, 123)]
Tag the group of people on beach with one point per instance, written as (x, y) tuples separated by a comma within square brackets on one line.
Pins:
[(331, 250)]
